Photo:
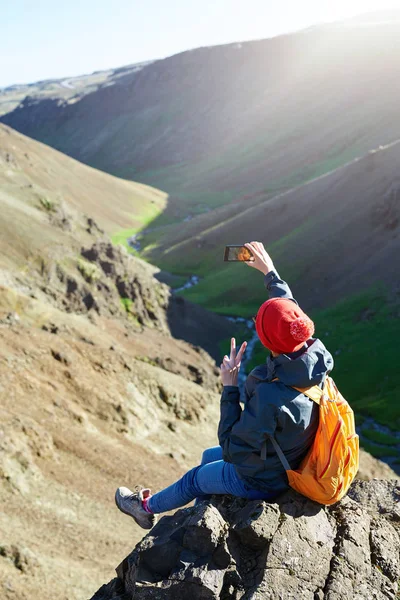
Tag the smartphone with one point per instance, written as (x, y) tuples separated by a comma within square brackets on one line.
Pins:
[(237, 253)]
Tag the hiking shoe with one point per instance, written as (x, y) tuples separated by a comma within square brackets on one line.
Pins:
[(130, 503)]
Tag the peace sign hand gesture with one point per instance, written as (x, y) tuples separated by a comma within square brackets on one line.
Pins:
[(230, 365)]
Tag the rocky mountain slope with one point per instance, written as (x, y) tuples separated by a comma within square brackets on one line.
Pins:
[(69, 89), (46, 240), (31, 175), (95, 391), (230, 549), (83, 410)]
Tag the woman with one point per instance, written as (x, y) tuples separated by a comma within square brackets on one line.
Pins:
[(245, 463)]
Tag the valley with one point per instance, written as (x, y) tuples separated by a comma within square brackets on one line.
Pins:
[(115, 303), (233, 124), (96, 388)]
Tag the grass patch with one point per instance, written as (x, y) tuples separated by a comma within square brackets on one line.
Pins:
[(224, 346), (232, 288), (126, 304), (173, 281), (329, 163), (259, 357), (360, 419), (147, 360), (146, 215), (362, 333), (89, 271), (47, 205), (378, 451), (121, 238), (379, 437), (177, 281), (240, 332)]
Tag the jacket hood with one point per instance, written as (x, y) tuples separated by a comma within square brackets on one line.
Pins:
[(301, 369)]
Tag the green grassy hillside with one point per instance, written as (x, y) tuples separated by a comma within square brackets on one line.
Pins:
[(330, 238)]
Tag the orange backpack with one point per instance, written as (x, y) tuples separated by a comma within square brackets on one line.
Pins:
[(331, 464)]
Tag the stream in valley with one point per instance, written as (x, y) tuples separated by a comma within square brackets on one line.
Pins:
[(134, 243), (191, 282)]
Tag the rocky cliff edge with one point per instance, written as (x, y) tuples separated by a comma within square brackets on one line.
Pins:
[(231, 549)]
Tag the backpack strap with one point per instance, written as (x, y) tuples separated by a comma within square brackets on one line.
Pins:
[(315, 393), (279, 452)]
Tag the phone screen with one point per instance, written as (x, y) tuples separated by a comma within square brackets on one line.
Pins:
[(237, 253)]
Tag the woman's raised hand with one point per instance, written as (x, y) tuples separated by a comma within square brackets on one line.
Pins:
[(230, 365), (262, 260)]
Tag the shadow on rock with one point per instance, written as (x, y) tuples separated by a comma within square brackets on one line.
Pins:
[(198, 326)]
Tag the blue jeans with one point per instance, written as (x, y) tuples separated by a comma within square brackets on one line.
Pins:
[(213, 476)]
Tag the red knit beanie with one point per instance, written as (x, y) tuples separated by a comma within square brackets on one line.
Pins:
[(282, 326)]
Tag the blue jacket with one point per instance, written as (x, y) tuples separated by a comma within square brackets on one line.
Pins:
[(273, 408)]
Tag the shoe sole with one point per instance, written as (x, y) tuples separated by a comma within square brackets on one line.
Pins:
[(132, 517)]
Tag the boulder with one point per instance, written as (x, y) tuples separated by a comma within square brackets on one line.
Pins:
[(232, 549)]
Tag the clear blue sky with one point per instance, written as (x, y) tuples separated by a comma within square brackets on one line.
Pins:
[(41, 39)]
